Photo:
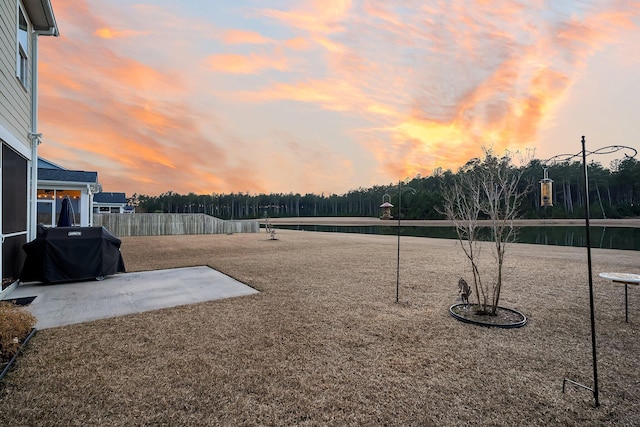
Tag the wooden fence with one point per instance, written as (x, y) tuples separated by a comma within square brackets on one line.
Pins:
[(159, 224)]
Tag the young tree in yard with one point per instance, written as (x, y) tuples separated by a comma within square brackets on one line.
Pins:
[(485, 189), (462, 206)]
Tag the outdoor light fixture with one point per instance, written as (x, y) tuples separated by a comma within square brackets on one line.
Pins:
[(567, 157)]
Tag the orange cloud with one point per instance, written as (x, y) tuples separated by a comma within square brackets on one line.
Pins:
[(104, 33), (297, 43), (106, 112), (318, 16), (130, 145), (108, 33), (244, 37), (322, 92), (245, 64), (382, 12)]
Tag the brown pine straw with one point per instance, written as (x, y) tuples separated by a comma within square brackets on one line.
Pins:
[(324, 342)]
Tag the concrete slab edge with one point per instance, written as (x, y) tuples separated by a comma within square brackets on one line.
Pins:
[(5, 293)]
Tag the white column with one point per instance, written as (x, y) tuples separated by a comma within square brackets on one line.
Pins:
[(84, 207)]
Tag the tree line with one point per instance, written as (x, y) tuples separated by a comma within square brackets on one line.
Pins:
[(614, 192)]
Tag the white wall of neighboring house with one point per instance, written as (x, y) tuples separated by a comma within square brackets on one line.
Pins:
[(107, 208), (82, 206), (111, 202), (55, 183)]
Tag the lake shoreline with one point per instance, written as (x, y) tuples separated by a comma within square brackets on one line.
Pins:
[(374, 221)]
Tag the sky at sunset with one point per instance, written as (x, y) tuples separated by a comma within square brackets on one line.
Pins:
[(326, 96)]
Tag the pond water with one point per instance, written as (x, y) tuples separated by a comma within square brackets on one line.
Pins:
[(601, 237)]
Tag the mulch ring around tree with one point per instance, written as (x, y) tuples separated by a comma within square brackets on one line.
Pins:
[(504, 317)]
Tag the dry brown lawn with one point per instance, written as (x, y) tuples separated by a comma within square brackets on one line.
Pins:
[(324, 342)]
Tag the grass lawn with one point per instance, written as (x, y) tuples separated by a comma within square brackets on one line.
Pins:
[(324, 342)]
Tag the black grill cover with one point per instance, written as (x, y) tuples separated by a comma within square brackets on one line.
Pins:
[(71, 253)]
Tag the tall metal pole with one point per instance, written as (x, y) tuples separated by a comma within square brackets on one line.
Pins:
[(566, 157), (593, 323), (400, 190), (398, 260)]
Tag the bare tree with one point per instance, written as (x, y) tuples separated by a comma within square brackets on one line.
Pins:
[(462, 206), (489, 190)]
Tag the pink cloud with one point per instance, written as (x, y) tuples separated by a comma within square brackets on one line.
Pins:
[(244, 37), (317, 16), (100, 110), (297, 43), (246, 64)]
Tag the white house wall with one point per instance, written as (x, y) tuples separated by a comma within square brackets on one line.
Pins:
[(15, 102), (86, 212), (15, 105)]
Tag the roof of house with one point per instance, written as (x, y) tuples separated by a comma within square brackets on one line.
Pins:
[(41, 15), (110, 198), (49, 171), (67, 175), (47, 164)]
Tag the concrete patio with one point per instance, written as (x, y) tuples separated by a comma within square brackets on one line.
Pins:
[(68, 303)]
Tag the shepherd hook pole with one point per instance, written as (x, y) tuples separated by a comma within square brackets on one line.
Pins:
[(398, 260), (593, 323)]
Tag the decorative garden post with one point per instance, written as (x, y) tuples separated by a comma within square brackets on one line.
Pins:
[(566, 157), (400, 190)]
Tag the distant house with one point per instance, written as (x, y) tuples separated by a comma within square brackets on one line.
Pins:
[(22, 22), (111, 203), (56, 182)]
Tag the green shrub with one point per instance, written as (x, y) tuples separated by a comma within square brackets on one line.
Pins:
[(15, 325)]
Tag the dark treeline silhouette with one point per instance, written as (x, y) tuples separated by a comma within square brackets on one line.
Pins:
[(613, 193)]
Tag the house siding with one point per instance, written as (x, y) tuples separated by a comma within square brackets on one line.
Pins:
[(15, 105)]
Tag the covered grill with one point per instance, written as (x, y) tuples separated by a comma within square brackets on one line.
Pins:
[(71, 253)]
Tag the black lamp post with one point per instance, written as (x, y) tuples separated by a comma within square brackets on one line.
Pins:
[(566, 157)]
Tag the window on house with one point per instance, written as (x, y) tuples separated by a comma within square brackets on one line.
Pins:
[(22, 58)]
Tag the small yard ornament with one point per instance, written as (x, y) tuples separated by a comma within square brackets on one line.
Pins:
[(464, 290), (268, 228)]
